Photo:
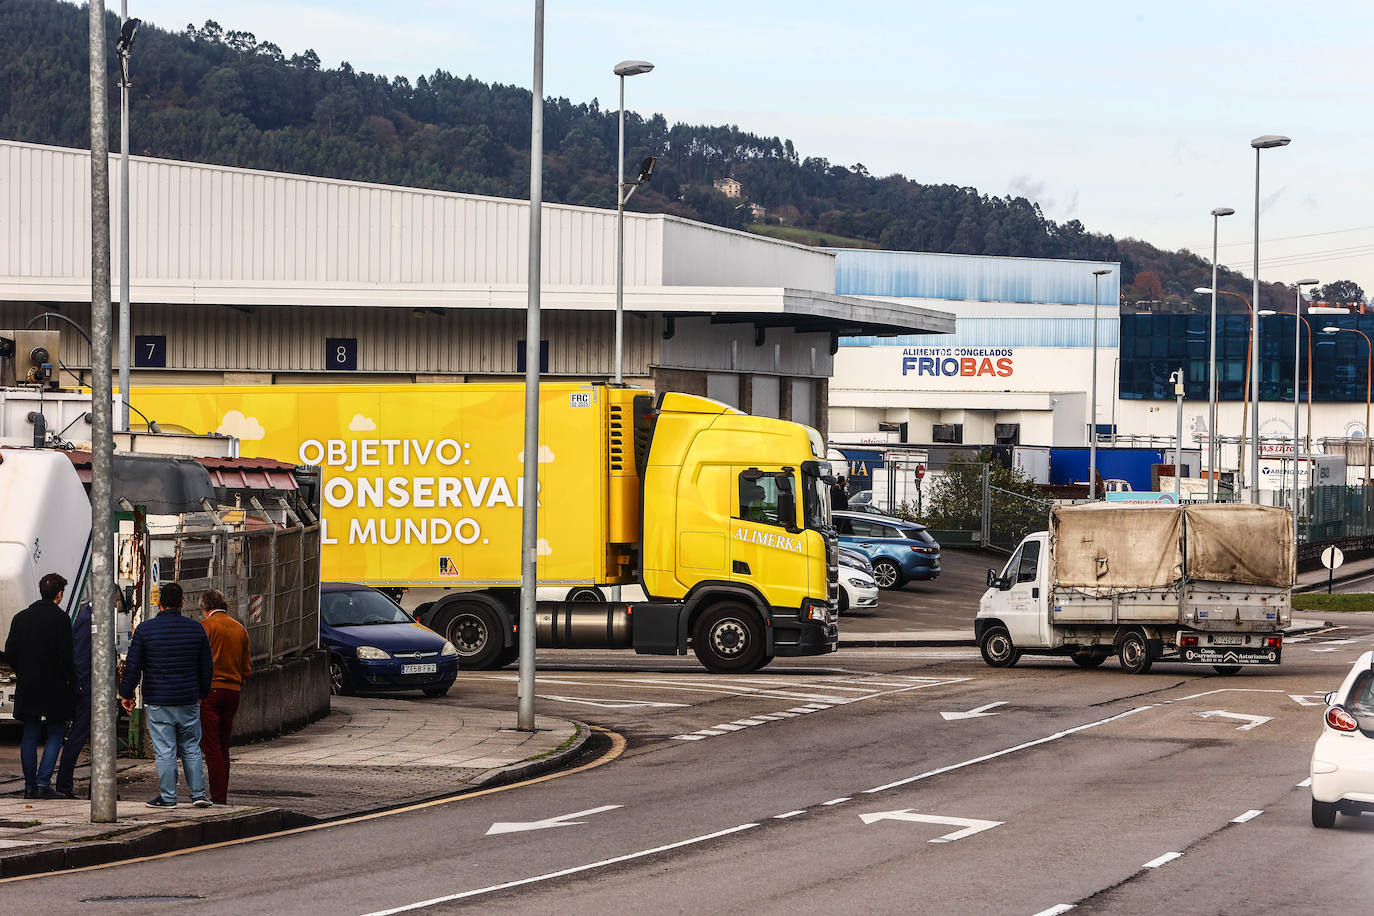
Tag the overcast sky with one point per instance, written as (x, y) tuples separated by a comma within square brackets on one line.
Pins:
[(1133, 118)]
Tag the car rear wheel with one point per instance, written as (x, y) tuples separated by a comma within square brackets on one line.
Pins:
[(1134, 653), (728, 639), (1323, 814), (475, 631), (340, 681), (887, 574), (997, 648)]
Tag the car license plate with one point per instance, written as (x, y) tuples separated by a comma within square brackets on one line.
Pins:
[(425, 668), (1234, 640)]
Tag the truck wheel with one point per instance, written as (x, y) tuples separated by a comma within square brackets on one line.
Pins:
[(1323, 814), (475, 631), (887, 574), (1227, 669), (1089, 658), (508, 654), (1134, 653), (728, 639), (997, 648), (340, 681)]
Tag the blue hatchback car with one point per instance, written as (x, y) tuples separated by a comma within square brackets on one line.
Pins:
[(375, 646), (900, 551)]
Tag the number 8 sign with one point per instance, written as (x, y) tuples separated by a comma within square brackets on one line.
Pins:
[(341, 353)]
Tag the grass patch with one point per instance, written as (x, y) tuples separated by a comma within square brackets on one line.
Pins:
[(568, 743), (1318, 602), (809, 236)]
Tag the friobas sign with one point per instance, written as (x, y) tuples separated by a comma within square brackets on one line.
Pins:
[(967, 362)]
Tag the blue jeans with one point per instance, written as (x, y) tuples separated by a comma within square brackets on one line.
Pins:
[(175, 730), (38, 774)]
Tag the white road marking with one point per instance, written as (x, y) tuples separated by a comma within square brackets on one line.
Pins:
[(838, 801), (1010, 750), (1247, 816), (611, 704), (1323, 650), (1208, 693), (978, 713), (1306, 699), (783, 817), (563, 873), (689, 737), (563, 820), (731, 727), (1304, 784), (1056, 910), (1162, 860), (970, 825), (1255, 721)]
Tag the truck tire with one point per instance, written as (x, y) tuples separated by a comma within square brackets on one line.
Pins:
[(508, 654), (1323, 814), (1134, 653), (1227, 669), (998, 649), (728, 639), (887, 574), (1089, 658), (475, 631)]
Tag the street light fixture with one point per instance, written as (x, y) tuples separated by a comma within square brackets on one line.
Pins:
[(1092, 417), (622, 196), (123, 48), (1268, 141), (1212, 366), (1369, 364)]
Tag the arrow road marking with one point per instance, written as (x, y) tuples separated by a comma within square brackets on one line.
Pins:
[(973, 713), (970, 825), (1305, 699), (563, 820), (612, 704), (1255, 721)]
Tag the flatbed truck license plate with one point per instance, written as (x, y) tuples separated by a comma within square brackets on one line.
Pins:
[(423, 668), (1227, 640)]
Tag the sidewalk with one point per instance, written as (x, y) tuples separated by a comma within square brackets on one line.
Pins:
[(368, 754), (1314, 580)]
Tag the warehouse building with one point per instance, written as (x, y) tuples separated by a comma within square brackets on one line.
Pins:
[(249, 277)]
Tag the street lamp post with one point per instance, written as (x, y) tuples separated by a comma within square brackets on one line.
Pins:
[(1092, 415), (623, 69), (1268, 141), (1240, 448), (123, 49), (1212, 366), (1369, 364)]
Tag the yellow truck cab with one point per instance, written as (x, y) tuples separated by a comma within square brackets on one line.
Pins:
[(723, 518)]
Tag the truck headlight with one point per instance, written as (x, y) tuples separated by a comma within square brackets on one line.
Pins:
[(373, 654), (448, 649)]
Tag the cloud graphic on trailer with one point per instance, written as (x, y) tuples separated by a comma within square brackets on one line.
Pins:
[(247, 429), (545, 455), (362, 424), (543, 549)]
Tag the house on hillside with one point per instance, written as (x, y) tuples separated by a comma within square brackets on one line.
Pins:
[(758, 211), (728, 186)]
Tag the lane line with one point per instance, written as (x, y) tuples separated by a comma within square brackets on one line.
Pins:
[(1162, 860), (838, 801), (781, 817), (1247, 816), (1010, 750), (690, 737), (617, 748), (1304, 784), (1056, 910), (563, 873), (730, 727)]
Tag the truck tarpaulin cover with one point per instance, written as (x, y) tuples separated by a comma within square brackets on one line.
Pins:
[(1111, 549), (1116, 548)]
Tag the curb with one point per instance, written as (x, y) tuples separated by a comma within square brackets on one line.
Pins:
[(138, 842)]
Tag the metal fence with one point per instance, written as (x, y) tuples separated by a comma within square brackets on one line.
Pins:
[(1337, 512), (1008, 517), (267, 569)]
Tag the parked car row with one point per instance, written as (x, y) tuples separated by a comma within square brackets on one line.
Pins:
[(900, 551)]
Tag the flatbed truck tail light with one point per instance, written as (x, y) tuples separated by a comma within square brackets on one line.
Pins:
[(1188, 641), (1273, 642), (1341, 720)]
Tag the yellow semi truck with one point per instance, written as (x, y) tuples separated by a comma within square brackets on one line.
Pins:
[(722, 518)]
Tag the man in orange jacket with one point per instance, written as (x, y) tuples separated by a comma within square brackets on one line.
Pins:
[(229, 646)]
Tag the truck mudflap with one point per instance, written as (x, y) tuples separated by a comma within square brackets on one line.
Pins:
[(1230, 655)]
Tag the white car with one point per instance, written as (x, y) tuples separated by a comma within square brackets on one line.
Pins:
[(857, 589), (1343, 760)]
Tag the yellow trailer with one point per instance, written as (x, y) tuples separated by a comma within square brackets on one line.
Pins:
[(723, 518)]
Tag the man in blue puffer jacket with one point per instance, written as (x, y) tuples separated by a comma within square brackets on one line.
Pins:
[(171, 654)]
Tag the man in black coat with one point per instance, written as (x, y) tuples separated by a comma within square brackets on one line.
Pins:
[(171, 655), (39, 651), (80, 729)]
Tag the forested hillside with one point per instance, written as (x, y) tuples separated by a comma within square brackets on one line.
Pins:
[(214, 95)]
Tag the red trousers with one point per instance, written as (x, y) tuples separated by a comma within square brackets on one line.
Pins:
[(216, 730)]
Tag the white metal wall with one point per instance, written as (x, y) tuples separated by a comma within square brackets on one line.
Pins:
[(699, 344), (203, 222), (699, 255)]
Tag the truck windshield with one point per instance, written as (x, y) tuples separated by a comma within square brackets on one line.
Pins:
[(816, 503)]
